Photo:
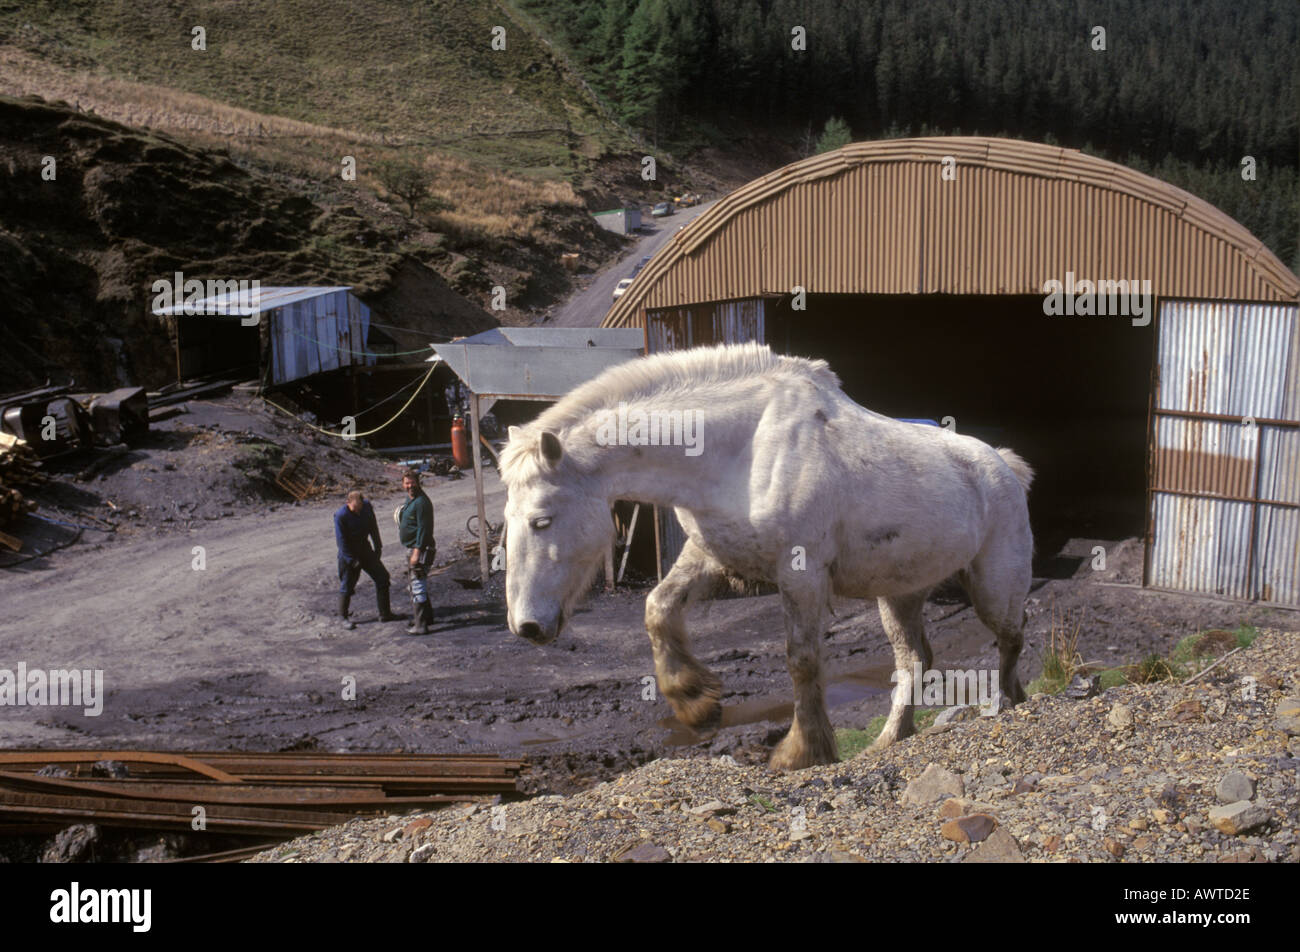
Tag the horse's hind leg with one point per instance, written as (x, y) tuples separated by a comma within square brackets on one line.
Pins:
[(904, 623), (997, 582), (693, 690), (811, 739)]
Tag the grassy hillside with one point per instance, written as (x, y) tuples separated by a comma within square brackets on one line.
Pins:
[(396, 71)]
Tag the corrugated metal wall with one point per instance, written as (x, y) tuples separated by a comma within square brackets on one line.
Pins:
[(321, 333), (1225, 451), (879, 218), (722, 322)]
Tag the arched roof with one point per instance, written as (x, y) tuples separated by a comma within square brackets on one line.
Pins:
[(881, 218)]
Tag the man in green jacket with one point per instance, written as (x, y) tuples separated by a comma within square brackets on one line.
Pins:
[(415, 530)]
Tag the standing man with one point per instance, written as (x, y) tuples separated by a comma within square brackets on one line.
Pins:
[(415, 529), (354, 527)]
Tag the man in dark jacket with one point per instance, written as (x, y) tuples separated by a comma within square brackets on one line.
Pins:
[(354, 527), (415, 530)]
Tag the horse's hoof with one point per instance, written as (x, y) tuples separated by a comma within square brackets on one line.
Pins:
[(888, 738), (792, 754), (697, 701), (699, 713)]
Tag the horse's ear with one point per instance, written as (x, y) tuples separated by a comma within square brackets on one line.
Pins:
[(515, 432), (551, 449)]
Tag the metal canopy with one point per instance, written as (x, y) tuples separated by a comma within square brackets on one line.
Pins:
[(537, 362), (529, 363), (243, 303)]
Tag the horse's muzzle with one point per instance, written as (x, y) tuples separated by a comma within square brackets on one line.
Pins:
[(537, 634)]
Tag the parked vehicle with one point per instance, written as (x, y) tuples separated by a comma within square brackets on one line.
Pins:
[(641, 264), (662, 210), (622, 286), (687, 199)]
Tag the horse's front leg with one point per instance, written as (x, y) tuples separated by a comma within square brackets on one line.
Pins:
[(811, 739), (693, 690)]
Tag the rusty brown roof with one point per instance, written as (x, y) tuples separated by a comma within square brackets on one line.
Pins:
[(878, 218)]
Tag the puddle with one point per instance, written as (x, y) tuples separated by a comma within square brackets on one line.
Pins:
[(746, 712), (540, 740), (845, 688), (853, 686)]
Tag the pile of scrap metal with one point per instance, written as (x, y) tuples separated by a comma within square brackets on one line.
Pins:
[(267, 795), (49, 422), (19, 467), (54, 422)]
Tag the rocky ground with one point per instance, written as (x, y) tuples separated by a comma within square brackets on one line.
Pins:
[(1200, 771)]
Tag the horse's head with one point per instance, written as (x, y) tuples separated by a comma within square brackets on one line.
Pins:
[(557, 531)]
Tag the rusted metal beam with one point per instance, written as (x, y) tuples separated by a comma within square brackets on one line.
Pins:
[(115, 811), (191, 791), (126, 756), (1224, 417), (228, 856)]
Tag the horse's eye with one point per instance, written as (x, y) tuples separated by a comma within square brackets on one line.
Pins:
[(541, 522)]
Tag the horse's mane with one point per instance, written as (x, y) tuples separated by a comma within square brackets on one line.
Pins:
[(661, 375)]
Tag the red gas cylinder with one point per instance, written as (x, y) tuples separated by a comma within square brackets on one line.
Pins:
[(460, 444)]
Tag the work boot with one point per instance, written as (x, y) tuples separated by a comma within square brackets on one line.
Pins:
[(420, 617), (385, 613), (345, 602)]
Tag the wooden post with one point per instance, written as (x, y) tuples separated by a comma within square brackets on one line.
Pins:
[(627, 546), (478, 492), (659, 559), (609, 569), (428, 405)]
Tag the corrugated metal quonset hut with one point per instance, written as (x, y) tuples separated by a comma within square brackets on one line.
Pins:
[(298, 332), (925, 266)]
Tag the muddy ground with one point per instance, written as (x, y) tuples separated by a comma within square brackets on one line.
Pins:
[(247, 653)]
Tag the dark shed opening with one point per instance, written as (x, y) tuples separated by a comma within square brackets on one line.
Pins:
[(1069, 394)]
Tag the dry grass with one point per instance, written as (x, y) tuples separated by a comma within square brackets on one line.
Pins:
[(1061, 659), (497, 205), (145, 105), (483, 202)]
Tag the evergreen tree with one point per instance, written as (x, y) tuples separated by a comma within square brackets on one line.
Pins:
[(834, 135)]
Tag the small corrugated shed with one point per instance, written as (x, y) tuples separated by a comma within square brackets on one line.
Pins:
[(621, 221), (529, 363), (303, 330), (536, 363)]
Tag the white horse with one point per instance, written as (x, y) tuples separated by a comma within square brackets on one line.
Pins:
[(788, 481)]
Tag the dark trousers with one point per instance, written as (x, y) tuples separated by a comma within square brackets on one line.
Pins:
[(350, 571)]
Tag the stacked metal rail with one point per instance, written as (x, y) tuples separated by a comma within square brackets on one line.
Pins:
[(267, 794)]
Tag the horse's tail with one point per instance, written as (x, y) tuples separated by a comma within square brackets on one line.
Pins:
[(1023, 471)]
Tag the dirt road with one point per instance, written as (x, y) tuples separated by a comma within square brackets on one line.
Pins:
[(588, 307)]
